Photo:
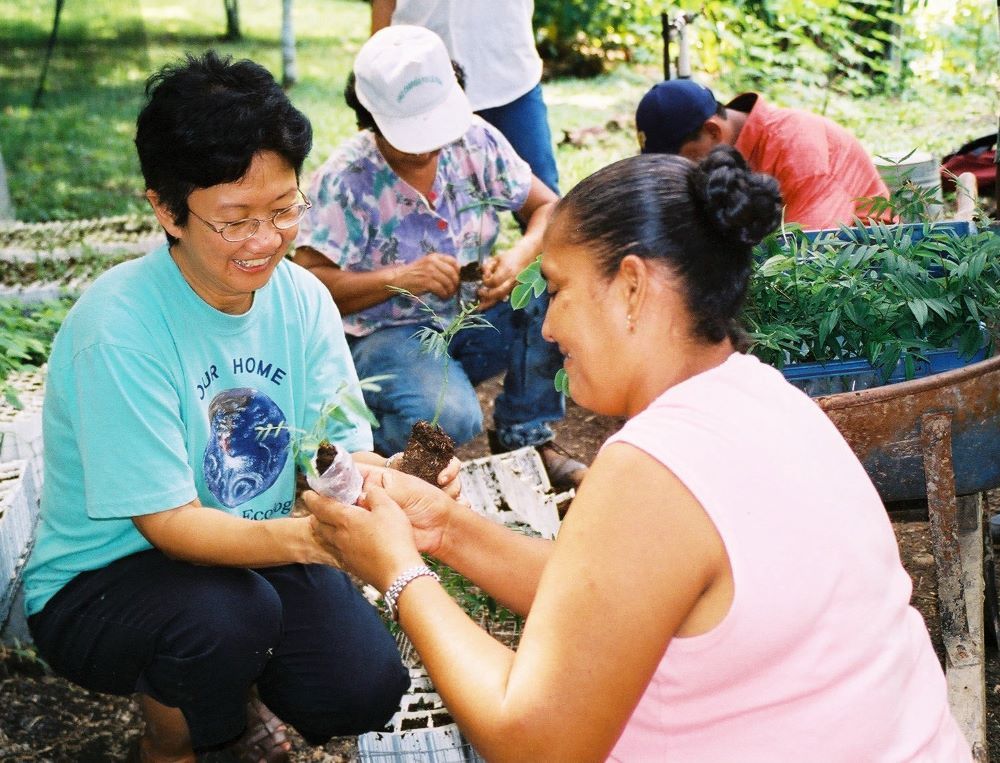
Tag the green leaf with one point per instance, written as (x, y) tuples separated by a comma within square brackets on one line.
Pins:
[(10, 395), (919, 309), (520, 296), (561, 381), (828, 324), (530, 283), (358, 407)]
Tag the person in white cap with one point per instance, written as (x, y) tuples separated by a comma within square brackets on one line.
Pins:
[(502, 65), (412, 202)]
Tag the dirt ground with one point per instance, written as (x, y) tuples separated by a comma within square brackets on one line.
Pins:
[(43, 718)]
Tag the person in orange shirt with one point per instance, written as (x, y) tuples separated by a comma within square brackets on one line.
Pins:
[(824, 173)]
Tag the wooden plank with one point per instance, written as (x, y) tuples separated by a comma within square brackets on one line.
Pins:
[(956, 525), (967, 685)]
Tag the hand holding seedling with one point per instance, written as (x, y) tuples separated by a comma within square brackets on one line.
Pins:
[(374, 542), (434, 273), (499, 278), (448, 479)]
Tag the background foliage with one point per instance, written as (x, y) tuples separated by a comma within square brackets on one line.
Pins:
[(855, 46), (73, 158)]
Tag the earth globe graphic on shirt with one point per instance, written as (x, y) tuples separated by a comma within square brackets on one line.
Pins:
[(248, 445)]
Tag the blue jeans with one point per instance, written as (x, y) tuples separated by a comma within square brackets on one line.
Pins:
[(521, 412), (525, 123)]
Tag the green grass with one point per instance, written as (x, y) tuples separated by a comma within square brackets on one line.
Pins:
[(73, 158)]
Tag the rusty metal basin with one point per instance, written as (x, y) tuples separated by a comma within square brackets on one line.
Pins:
[(883, 426)]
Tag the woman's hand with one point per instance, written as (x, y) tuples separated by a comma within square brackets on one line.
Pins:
[(499, 278), (374, 542), (435, 273), (449, 480), (427, 507)]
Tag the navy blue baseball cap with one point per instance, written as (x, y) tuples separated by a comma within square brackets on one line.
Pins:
[(669, 112)]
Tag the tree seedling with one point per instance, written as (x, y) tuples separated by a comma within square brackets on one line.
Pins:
[(530, 285), (429, 448), (885, 293), (330, 470)]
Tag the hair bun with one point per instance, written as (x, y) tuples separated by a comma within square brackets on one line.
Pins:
[(743, 206)]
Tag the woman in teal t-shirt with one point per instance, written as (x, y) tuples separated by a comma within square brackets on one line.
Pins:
[(168, 562)]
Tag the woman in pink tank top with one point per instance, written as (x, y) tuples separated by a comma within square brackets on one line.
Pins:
[(726, 584)]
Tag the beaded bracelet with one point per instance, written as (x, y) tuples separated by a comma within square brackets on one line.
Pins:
[(404, 579)]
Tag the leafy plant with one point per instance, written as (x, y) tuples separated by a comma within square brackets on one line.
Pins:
[(305, 443), (531, 284), (22, 657), (886, 293), (435, 339), (26, 334)]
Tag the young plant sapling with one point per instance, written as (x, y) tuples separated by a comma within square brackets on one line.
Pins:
[(429, 448), (472, 272), (884, 293), (531, 284), (330, 470)]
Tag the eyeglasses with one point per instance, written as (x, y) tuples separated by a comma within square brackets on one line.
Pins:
[(241, 230)]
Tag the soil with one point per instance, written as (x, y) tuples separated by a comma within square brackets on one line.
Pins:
[(428, 451), (326, 454), (470, 272), (44, 718)]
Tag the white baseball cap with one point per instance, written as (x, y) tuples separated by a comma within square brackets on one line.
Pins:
[(403, 76)]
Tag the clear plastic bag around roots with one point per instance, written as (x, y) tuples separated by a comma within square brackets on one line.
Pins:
[(341, 481)]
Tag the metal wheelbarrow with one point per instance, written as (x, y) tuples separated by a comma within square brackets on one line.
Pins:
[(938, 438)]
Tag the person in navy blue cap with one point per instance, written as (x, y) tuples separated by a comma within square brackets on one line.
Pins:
[(672, 114), (826, 176)]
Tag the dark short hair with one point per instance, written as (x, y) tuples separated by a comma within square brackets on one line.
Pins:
[(362, 116), (700, 220), (720, 111), (205, 119)]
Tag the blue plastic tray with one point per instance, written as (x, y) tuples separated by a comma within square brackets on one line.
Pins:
[(851, 375)]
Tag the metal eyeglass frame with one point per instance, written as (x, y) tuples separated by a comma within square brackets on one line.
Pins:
[(303, 207)]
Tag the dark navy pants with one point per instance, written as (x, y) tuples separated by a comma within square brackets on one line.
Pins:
[(198, 638), (525, 123)]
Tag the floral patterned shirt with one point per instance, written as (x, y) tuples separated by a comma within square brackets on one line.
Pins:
[(365, 217)]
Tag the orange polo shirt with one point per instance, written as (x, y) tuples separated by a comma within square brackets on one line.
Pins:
[(821, 168)]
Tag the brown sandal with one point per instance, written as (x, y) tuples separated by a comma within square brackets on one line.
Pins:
[(264, 740)]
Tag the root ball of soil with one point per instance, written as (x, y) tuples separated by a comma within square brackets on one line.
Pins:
[(325, 455), (470, 272), (428, 451)]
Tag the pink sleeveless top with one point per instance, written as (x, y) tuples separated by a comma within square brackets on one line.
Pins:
[(820, 657)]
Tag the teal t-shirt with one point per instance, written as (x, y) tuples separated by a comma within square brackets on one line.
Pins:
[(154, 398)]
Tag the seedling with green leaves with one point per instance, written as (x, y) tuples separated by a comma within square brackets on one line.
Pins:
[(530, 285), (306, 443), (473, 271), (884, 293), (26, 335), (429, 448), (435, 339)]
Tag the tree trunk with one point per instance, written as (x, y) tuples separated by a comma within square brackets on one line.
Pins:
[(6, 205), (36, 102), (289, 75), (232, 19)]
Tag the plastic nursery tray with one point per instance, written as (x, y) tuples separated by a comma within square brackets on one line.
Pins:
[(513, 489), (421, 730), (837, 376), (18, 514)]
